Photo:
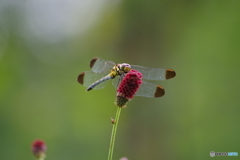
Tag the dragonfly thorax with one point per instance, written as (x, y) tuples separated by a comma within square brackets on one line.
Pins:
[(122, 68)]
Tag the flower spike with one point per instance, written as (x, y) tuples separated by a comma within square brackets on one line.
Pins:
[(39, 148), (128, 87)]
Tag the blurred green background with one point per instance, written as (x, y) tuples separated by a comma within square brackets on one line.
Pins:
[(44, 45)]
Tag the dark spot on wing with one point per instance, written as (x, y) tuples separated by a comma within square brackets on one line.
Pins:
[(92, 62), (159, 91), (81, 78), (170, 73)]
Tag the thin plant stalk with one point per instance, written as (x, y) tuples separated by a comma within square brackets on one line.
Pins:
[(114, 131)]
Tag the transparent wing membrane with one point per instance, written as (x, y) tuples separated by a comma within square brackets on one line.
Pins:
[(99, 65), (116, 82), (155, 73), (147, 89), (87, 78), (151, 90)]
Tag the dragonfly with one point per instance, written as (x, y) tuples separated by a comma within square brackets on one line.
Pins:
[(102, 71)]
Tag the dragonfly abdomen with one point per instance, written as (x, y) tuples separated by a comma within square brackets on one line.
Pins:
[(99, 81)]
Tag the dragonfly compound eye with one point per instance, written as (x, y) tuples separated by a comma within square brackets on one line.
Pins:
[(125, 67)]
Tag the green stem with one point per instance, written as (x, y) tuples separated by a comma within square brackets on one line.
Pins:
[(114, 131)]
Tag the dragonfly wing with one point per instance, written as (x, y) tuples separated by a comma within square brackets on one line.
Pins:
[(87, 78), (155, 73), (147, 89), (116, 81), (99, 65), (151, 90)]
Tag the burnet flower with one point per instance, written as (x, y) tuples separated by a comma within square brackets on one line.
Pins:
[(128, 87), (39, 148)]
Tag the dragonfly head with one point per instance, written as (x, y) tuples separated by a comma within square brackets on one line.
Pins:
[(125, 67)]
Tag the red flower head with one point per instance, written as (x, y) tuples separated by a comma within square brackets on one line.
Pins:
[(39, 148), (128, 87)]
